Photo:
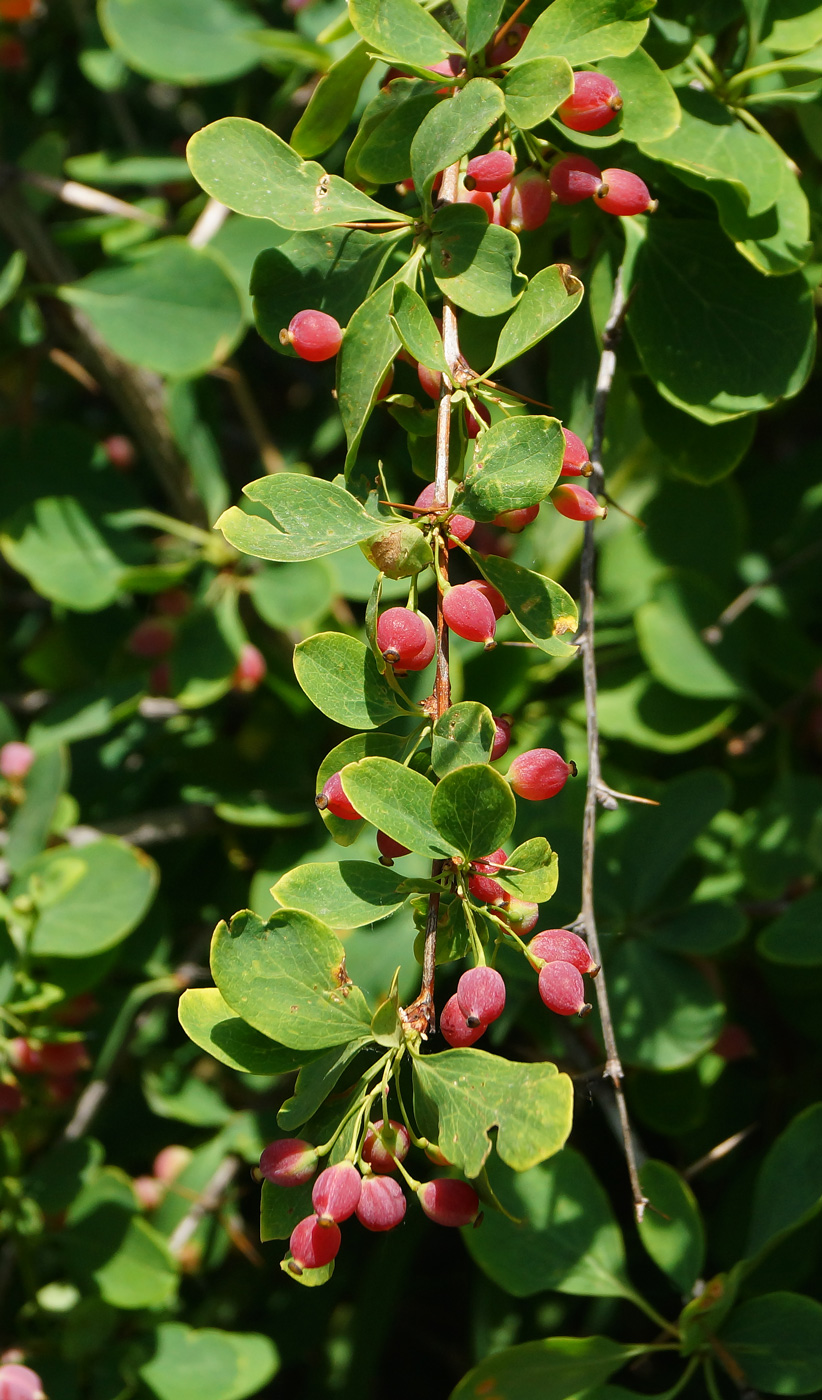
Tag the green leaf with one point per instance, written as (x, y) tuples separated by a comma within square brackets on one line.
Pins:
[(30, 824), (671, 1228), (339, 675), (473, 262), (11, 276), (464, 734), (792, 27), (357, 746), (312, 518), (789, 1186), (665, 1012), (474, 809), (650, 110), (659, 839), (776, 1340), (670, 632), (286, 977), (563, 1234), (288, 46), (515, 464), (254, 172), (332, 103), (291, 594), (538, 867), (397, 801), (402, 29), (365, 356), (704, 928), (89, 897), (699, 452), (210, 1023), (64, 551), (382, 154), (534, 90), (742, 341), (345, 894), (125, 1258), (543, 609), (316, 1081), (452, 129), (209, 1363), (795, 937), (283, 1207), (470, 1093), (417, 328), (481, 20), (553, 1369), (644, 712), (547, 301), (585, 30), (177, 42)]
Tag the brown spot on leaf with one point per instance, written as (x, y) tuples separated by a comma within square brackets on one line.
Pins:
[(564, 624)]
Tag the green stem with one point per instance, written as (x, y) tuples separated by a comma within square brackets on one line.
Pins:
[(663, 1325), (357, 1107), (777, 65), (710, 1380), (708, 64), (476, 942), (118, 1033)]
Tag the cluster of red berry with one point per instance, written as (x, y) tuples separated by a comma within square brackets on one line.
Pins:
[(154, 639), (56, 1062)]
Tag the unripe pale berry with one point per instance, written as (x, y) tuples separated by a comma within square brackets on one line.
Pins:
[(149, 1191), (449, 1202), (539, 774), (382, 1204), (171, 1161), (16, 759), (500, 53), (458, 525), (20, 1383), (333, 799), (490, 172), (480, 883), (120, 451), (385, 1145), (562, 989), (481, 198), (493, 595), (502, 737), (575, 459), (151, 638), (470, 615), (389, 849), (430, 380), (455, 1029), (313, 335), (422, 658), (592, 104), (575, 178), (312, 1245), (520, 916), (473, 413), (289, 1162), (516, 520), (525, 203), (560, 945), (401, 635), (624, 193), (250, 669), (575, 503), (336, 1192), (481, 995)]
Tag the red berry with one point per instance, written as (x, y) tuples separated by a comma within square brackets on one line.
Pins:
[(401, 635), (336, 1192), (430, 380), (60, 1089), (502, 737), (562, 989), (480, 884), (449, 1202), (575, 178), (575, 460), (314, 335), (525, 203), (58, 1058), (575, 503), (385, 387), (560, 945), (173, 602), (455, 1029), (120, 451), (473, 413), (78, 1010), (20, 1383), (520, 916), (171, 1162), (11, 1099), (332, 799), (382, 1203), (312, 1245), (481, 198), (481, 995), (250, 669), (289, 1162), (16, 759), (13, 55), (624, 193), (16, 9), (592, 104), (539, 774), (516, 520), (422, 658), (458, 525), (385, 1145), (493, 595), (490, 172), (470, 615), (149, 1191), (389, 849), (500, 53), (151, 638), (448, 67)]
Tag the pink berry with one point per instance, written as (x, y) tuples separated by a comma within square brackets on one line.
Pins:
[(289, 1162), (171, 1161), (575, 178), (539, 774), (430, 380), (449, 67), (20, 1383), (387, 383), (575, 460), (526, 202), (624, 193), (422, 658), (500, 53), (336, 1192), (562, 989), (385, 1145), (400, 635), (516, 520), (560, 945), (481, 995), (120, 451), (11, 1099), (149, 1191), (575, 503), (458, 525), (151, 638), (592, 104), (62, 1058), (455, 1029), (502, 737), (312, 1245), (16, 759), (520, 916), (389, 849), (449, 1202), (481, 198), (493, 595), (250, 669), (332, 799), (470, 615), (382, 1204), (490, 172), (314, 335), (473, 414), (481, 885)]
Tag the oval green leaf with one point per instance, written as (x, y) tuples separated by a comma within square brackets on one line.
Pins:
[(474, 809)]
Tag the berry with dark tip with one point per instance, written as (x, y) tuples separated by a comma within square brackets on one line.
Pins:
[(455, 1029), (500, 53), (382, 1203), (313, 335), (470, 615), (20, 1383), (560, 945), (493, 595), (490, 172), (575, 178), (401, 635), (593, 103), (289, 1162), (575, 459), (385, 1145), (481, 995), (336, 1193), (516, 520), (624, 193), (575, 503), (502, 737), (312, 1244), (480, 884), (448, 1201), (333, 799), (539, 773), (525, 203), (16, 759), (562, 989), (389, 849)]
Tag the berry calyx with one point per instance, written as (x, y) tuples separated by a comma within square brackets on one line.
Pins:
[(16, 759), (171, 1161), (382, 1204), (312, 1244), (336, 1193), (593, 103), (333, 799), (289, 1162), (624, 193), (385, 1145), (500, 53), (575, 178), (460, 526), (525, 203), (520, 916), (490, 172), (470, 615), (481, 886), (562, 989), (475, 415), (575, 459), (455, 1029), (450, 1202), (575, 503), (481, 995), (493, 595), (560, 945), (313, 335), (401, 635), (502, 737), (250, 669), (389, 849), (516, 520), (539, 774), (20, 1383)]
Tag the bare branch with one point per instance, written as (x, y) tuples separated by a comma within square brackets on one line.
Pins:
[(208, 1200), (713, 635), (209, 223), (86, 197), (717, 1153)]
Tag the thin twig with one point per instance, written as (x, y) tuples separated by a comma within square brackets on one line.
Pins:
[(208, 1200), (717, 1153), (713, 634), (86, 197), (270, 455), (209, 223)]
